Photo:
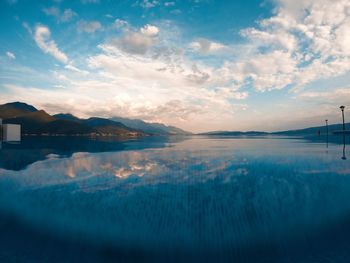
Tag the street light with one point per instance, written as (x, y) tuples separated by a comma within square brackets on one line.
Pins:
[(327, 131), (342, 111)]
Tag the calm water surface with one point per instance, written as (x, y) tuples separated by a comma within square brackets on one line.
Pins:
[(174, 200)]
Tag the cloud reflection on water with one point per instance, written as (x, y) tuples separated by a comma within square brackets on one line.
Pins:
[(198, 193)]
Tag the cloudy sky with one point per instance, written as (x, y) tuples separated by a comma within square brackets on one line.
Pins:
[(197, 64)]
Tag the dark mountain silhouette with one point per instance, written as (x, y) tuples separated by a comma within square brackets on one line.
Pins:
[(234, 133), (65, 127), (35, 121), (314, 130), (22, 106), (300, 132), (40, 122), (107, 126), (101, 122), (151, 128), (66, 116), (102, 125), (31, 121), (14, 109)]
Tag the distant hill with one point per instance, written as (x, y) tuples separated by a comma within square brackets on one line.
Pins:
[(234, 133), (306, 131), (107, 126), (136, 124), (14, 109), (36, 122), (151, 128), (39, 122), (66, 116), (31, 121), (102, 125), (314, 130), (65, 127)]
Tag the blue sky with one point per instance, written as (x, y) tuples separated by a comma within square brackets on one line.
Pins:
[(197, 64)]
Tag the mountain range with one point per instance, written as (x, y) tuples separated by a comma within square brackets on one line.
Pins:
[(333, 128), (39, 122)]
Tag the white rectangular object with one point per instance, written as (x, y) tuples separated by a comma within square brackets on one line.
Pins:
[(11, 132)]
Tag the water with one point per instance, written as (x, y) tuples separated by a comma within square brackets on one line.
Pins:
[(175, 199)]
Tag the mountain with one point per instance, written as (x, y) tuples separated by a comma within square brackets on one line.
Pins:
[(14, 109), (22, 106), (314, 130), (300, 132), (66, 116), (136, 124), (31, 121), (107, 126), (35, 121), (65, 127), (39, 122), (234, 133), (151, 128)]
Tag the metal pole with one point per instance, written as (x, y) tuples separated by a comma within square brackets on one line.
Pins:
[(0, 129), (342, 112), (344, 156), (327, 131)]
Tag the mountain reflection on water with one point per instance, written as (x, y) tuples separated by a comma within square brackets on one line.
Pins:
[(197, 198)]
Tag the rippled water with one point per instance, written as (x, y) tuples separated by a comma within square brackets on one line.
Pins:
[(175, 199)]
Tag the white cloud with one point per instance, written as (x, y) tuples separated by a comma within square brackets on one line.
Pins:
[(167, 95), (138, 86), (90, 1), (176, 11), (52, 11), (64, 16), (149, 73), (206, 46), (138, 42), (27, 27), (303, 42), (168, 4), (67, 15), (120, 24), (75, 69), (148, 3), (272, 40), (88, 26), (10, 55), (42, 37), (149, 30), (336, 96)]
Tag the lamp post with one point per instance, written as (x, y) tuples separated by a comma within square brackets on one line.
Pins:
[(342, 111), (0, 130), (327, 131)]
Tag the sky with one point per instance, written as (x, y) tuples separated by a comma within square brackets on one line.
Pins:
[(200, 65)]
